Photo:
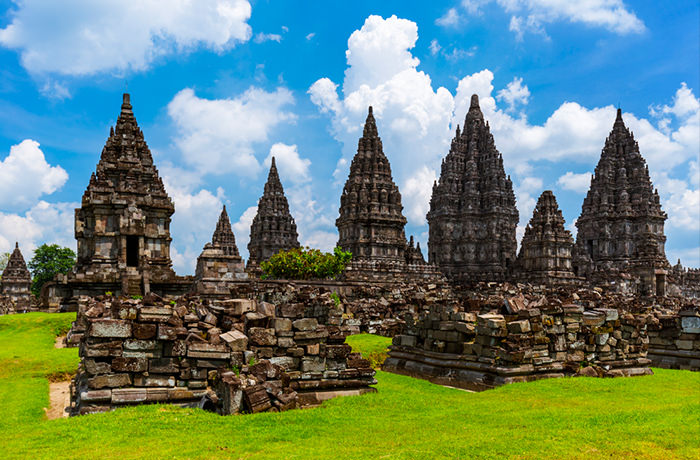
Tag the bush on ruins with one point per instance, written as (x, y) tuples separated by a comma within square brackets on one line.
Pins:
[(48, 261), (306, 263)]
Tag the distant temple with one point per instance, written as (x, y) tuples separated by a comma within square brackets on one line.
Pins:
[(16, 283), (371, 222), (273, 228), (219, 261), (472, 215), (545, 251), (621, 227)]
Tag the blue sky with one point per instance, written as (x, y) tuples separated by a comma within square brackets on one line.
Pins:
[(218, 86)]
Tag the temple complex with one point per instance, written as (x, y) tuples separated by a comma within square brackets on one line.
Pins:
[(621, 227), (219, 261), (472, 215), (545, 250), (273, 228), (16, 283)]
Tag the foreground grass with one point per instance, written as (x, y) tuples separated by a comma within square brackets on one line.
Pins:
[(652, 417)]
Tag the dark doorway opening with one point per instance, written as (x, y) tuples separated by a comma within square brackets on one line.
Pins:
[(132, 251), (589, 245), (660, 285)]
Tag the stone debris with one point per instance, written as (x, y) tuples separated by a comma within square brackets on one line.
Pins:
[(674, 339), (240, 355)]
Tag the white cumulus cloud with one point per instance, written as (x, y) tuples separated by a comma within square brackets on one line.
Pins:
[(84, 37), (579, 183), (25, 175)]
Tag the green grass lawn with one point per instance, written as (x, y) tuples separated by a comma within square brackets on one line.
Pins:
[(651, 417)]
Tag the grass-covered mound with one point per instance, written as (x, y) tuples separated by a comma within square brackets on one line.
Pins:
[(651, 417)]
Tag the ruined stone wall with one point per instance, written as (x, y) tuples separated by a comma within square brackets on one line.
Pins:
[(483, 350), (192, 352), (674, 339)]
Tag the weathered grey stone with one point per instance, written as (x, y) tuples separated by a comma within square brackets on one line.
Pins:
[(110, 328)]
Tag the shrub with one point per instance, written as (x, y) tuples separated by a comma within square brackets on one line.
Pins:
[(306, 263)]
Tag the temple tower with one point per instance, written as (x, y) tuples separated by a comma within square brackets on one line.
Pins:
[(123, 224), (273, 228), (621, 227), (371, 222), (472, 217), (545, 251), (16, 280), (219, 261)]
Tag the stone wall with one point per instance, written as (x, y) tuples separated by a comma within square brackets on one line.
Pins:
[(482, 350), (231, 355), (674, 339)]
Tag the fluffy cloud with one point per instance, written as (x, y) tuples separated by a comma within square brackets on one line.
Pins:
[(578, 183), (121, 35), (43, 223), (25, 175), (290, 165), (532, 15), (416, 122), (451, 18), (241, 228), (218, 136)]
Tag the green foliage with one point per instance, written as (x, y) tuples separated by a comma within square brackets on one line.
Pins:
[(336, 299), (652, 417), (306, 263), (48, 261), (252, 361), (4, 259), (109, 293), (137, 297), (373, 348)]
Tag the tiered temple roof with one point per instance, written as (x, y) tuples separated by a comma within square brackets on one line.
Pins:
[(273, 228), (545, 250), (223, 237), (16, 279), (472, 215), (621, 218), (371, 222), (219, 261)]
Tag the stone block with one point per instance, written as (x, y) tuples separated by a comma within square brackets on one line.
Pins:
[(155, 314), (305, 324), (93, 367), (122, 364), (144, 331), (262, 336), (291, 310), (266, 308), (282, 324), (129, 396), (519, 327), (690, 324), (163, 366), (93, 396), (154, 380), (109, 381), (110, 328), (236, 340), (208, 351)]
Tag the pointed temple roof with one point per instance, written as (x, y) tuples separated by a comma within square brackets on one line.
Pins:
[(16, 269), (273, 228), (371, 222), (223, 237), (547, 221), (126, 166)]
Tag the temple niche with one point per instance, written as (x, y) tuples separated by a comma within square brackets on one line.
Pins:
[(273, 228), (472, 217), (219, 261), (621, 227), (16, 283), (123, 225), (546, 247)]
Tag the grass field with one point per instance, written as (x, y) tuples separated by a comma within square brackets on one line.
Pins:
[(653, 417)]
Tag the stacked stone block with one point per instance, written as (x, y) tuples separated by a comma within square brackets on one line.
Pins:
[(674, 339), (135, 352)]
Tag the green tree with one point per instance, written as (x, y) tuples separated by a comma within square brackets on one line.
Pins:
[(306, 263), (4, 259), (48, 261)]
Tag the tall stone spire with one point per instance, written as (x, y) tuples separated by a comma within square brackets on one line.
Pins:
[(545, 251), (123, 224), (621, 218), (472, 215), (16, 279), (273, 228), (371, 223), (223, 235)]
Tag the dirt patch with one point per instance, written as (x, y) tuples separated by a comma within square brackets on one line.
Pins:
[(59, 397), (60, 342)]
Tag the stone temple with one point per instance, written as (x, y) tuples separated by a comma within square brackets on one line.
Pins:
[(371, 222), (123, 225), (16, 281), (545, 251), (219, 261), (472, 215), (273, 228), (621, 227)]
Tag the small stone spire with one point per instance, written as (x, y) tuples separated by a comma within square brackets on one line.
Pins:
[(16, 279), (223, 237), (474, 112), (370, 129)]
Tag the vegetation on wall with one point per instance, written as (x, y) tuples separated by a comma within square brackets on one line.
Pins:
[(48, 261), (306, 263)]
